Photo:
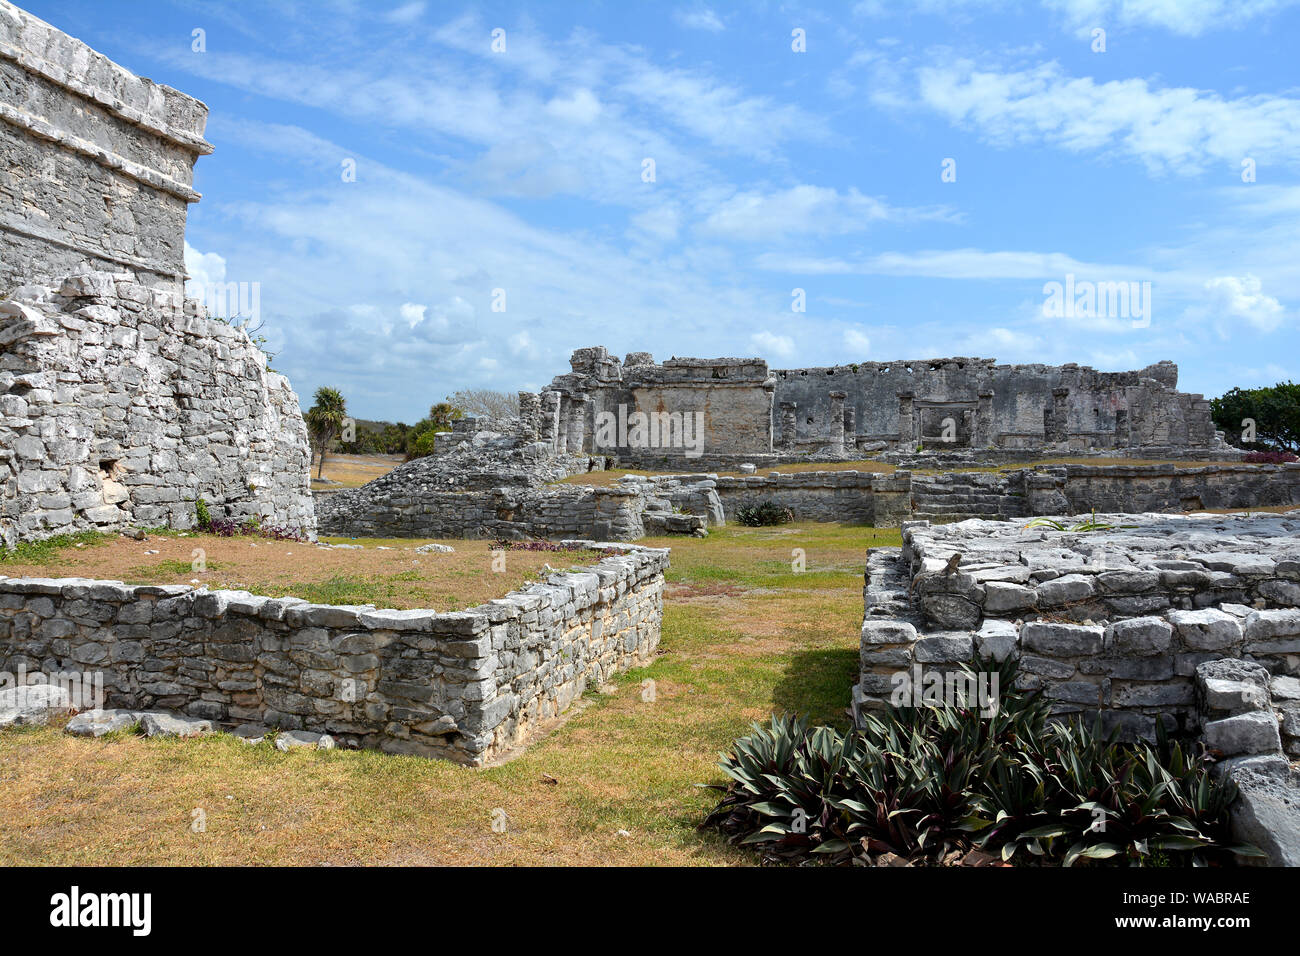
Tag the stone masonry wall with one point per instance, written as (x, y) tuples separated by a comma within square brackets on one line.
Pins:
[(96, 164), (121, 404), (1111, 623), (888, 499), (612, 514), (466, 686)]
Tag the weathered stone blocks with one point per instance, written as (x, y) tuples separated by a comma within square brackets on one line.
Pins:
[(467, 686)]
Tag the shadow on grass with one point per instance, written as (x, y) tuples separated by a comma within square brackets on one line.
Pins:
[(817, 685)]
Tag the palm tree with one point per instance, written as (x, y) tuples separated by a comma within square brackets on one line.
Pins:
[(325, 421)]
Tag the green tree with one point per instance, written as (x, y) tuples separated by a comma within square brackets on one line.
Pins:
[(325, 422), (1275, 411), (443, 414)]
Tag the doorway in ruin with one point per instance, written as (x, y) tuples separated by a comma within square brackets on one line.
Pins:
[(946, 424)]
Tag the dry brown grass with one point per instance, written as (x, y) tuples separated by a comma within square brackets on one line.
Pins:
[(782, 641), (386, 573), (352, 471)]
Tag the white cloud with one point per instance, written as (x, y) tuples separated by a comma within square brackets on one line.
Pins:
[(521, 343), (1167, 128), (1184, 17), (955, 264), (204, 269), (580, 107), (857, 343), (700, 18), (406, 14), (1240, 297), (413, 314), (659, 222), (761, 217), (770, 344)]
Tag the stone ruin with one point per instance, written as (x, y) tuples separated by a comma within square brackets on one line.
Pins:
[(497, 479), (746, 412), (120, 402), (1193, 622)]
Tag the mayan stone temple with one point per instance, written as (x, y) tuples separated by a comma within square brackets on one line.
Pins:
[(121, 402), (845, 410)]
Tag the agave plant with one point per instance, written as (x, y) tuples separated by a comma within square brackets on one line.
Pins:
[(1081, 527), (920, 782)]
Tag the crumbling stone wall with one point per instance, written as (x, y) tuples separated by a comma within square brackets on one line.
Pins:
[(731, 396), (496, 479), (848, 410), (888, 499), (412, 511), (1110, 623), (96, 164), (903, 404), (122, 404), (466, 686)]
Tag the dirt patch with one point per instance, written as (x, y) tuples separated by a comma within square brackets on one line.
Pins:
[(395, 577), (352, 471)]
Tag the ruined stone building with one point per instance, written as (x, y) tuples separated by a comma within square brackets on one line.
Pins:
[(120, 403), (741, 408)]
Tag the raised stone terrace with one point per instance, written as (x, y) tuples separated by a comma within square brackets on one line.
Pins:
[(1112, 621)]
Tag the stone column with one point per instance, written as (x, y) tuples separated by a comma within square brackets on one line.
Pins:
[(1060, 411), (576, 433), (548, 424), (851, 427), (789, 424), (984, 419), (530, 407), (906, 423), (835, 427)]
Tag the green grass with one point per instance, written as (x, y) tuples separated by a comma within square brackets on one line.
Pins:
[(48, 550), (743, 636), (146, 573)]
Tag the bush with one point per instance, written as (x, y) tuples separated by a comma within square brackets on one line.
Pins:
[(1268, 457), (768, 513), (924, 782), (202, 517)]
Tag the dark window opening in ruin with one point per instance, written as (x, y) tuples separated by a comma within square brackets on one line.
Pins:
[(110, 469), (830, 371), (810, 421), (803, 371)]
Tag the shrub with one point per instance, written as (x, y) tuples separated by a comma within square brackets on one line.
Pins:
[(767, 513), (924, 782), (202, 517), (1268, 457)]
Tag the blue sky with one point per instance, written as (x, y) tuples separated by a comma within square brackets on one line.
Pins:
[(774, 170)]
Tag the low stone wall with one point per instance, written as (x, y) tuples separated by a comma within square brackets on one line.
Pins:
[(889, 499), (466, 686), (559, 511), (1112, 623)]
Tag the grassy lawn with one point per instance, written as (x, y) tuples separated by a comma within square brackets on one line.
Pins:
[(352, 471), (386, 573), (744, 634)]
